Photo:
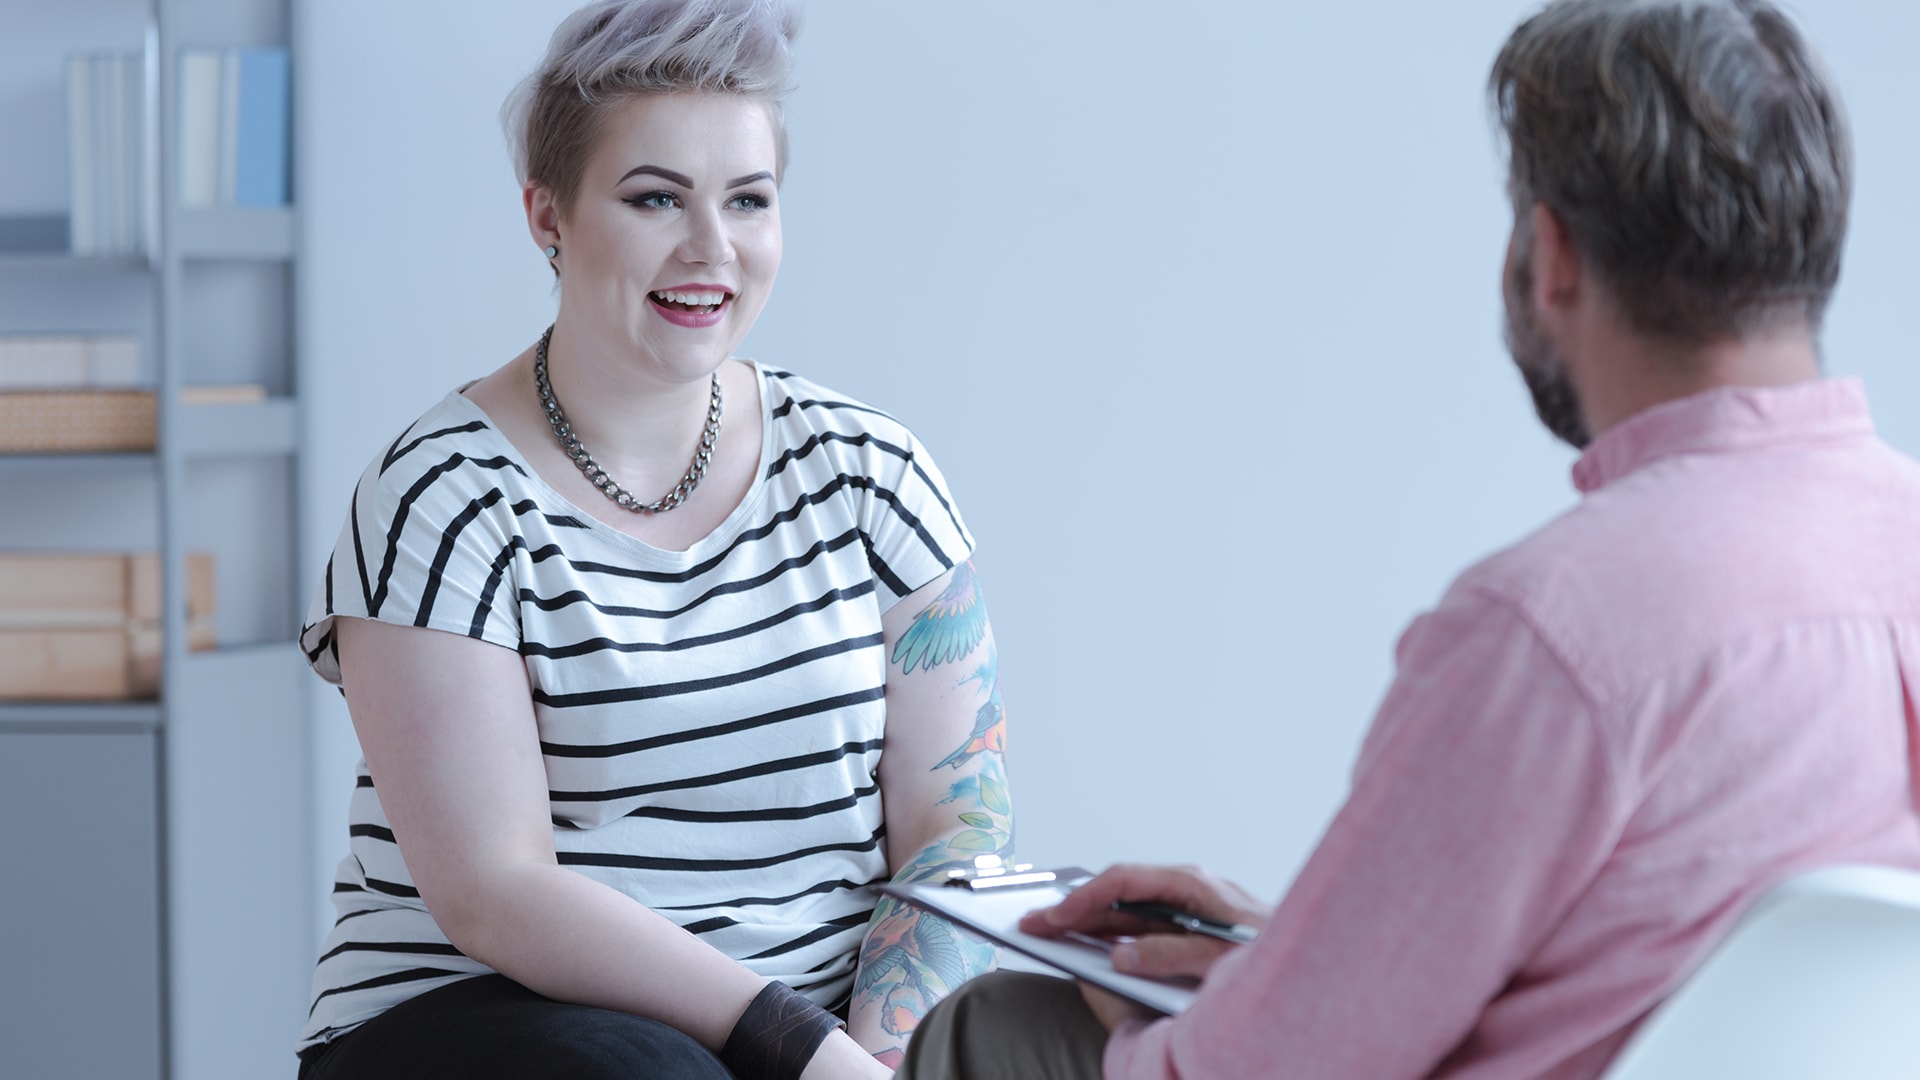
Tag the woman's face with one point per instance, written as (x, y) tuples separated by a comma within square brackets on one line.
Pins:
[(673, 241)]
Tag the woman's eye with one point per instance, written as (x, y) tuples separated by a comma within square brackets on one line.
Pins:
[(750, 202), (652, 200)]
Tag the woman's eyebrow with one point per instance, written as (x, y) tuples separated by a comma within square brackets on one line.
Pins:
[(682, 179), (745, 180)]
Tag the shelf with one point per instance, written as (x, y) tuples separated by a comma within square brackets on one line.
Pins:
[(38, 245), (238, 430), (239, 233), (220, 665), (206, 431), (79, 716), (117, 460)]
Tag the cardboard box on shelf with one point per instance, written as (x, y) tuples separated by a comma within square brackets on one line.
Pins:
[(83, 626), (65, 664), (77, 421)]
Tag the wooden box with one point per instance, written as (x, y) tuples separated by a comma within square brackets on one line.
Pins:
[(87, 626), (77, 421)]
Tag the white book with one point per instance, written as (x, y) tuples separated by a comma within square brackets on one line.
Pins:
[(43, 363), (200, 120), (80, 166)]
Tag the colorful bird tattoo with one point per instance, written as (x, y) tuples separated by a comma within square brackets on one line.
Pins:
[(990, 722), (950, 627)]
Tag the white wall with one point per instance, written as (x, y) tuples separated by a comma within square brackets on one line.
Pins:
[(1196, 306)]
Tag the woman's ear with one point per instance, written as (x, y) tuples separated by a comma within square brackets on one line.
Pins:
[(543, 217)]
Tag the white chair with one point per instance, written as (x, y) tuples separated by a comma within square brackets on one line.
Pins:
[(1821, 979)]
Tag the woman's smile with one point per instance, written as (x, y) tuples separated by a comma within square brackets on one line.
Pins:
[(692, 306)]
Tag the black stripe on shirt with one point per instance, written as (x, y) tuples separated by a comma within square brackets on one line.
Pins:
[(839, 885), (405, 508), (393, 456), (772, 813), (392, 888), (868, 438), (656, 862), (745, 772), (602, 644), (791, 712), (418, 948), (881, 570), (377, 832), (725, 588), (359, 554), (820, 438), (793, 403), (389, 979), (449, 539), (905, 515), (831, 489), (831, 928), (703, 926), (621, 694)]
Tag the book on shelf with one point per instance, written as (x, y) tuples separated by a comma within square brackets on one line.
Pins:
[(235, 116), (69, 362), (86, 626), (106, 153)]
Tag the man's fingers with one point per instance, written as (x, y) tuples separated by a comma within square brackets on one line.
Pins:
[(1087, 909), (1162, 956)]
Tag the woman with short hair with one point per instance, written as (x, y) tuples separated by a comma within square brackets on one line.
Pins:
[(639, 638)]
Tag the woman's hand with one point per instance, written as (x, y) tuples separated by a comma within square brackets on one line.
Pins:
[(1154, 952)]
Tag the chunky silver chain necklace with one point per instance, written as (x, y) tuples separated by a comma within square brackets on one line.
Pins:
[(702, 455)]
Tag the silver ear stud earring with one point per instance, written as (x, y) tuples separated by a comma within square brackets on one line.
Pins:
[(553, 252)]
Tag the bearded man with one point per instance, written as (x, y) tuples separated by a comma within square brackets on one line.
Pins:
[(1609, 739)]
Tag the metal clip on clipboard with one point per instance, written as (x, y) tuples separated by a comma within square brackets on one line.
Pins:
[(992, 872)]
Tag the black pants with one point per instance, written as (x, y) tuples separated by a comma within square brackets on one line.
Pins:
[(491, 1026)]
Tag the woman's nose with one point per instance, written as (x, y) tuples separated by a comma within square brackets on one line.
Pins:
[(707, 240)]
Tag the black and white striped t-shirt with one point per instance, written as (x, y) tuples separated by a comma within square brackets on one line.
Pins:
[(711, 719)]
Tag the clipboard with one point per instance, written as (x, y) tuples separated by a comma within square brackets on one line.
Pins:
[(990, 901)]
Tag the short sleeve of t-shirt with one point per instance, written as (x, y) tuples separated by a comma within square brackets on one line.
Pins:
[(427, 543), (912, 529)]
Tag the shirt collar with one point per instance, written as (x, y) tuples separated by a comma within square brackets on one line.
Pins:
[(1725, 419)]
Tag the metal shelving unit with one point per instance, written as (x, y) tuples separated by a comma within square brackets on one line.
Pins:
[(186, 952)]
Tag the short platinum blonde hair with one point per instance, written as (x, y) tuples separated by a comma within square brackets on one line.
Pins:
[(612, 51), (1696, 151)]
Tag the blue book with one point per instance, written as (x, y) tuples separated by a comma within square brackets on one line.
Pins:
[(262, 148)]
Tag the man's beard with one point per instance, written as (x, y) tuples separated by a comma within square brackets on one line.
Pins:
[(1554, 398)]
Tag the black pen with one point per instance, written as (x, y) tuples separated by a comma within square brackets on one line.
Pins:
[(1187, 920)]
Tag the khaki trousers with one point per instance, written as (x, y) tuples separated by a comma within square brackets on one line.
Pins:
[(1008, 1025)]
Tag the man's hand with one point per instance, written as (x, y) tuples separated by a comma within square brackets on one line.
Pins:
[(1155, 952)]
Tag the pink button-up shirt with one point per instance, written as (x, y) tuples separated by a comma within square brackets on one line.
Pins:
[(1604, 743)]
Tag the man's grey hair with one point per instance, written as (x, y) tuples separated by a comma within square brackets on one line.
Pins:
[(1696, 152), (611, 51)]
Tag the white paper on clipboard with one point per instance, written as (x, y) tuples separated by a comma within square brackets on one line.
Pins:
[(995, 915)]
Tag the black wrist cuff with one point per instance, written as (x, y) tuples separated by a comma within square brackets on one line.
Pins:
[(777, 1035)]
